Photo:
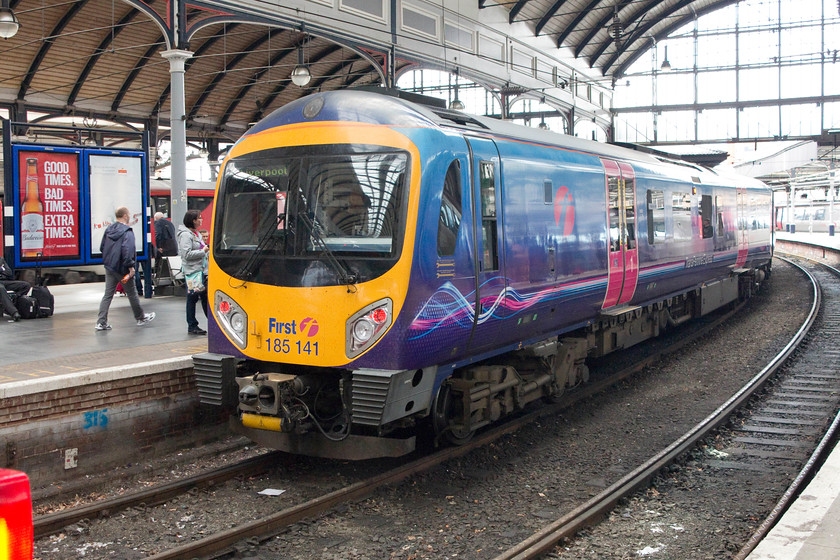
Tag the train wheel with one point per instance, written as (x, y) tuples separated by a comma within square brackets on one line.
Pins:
[(445, 413)]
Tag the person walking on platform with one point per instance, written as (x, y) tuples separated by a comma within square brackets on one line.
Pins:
[(8, 282), (193, 251), (118, 252)]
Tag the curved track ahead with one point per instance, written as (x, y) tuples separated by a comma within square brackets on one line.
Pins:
[(592, 511)]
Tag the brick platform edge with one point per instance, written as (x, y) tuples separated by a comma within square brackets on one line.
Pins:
[(100, 419), (811, 251)]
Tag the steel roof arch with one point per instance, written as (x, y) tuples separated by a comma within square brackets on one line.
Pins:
[(673, 27)]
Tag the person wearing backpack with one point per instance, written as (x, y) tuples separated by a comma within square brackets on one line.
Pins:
[(8, 283), (118, 252)]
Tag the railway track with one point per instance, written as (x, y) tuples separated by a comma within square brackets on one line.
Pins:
[(52, 522), (787, 419), (263, 528)]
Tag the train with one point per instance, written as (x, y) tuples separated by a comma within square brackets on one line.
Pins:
[(384, 271), (199, 197), (812, 216)]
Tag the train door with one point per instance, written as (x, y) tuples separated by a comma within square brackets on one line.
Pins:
[(623, 252), (743, 229), (490, 279)]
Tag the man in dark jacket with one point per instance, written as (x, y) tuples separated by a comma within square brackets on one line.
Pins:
[(165, 242), (118, 251), (8, 282)]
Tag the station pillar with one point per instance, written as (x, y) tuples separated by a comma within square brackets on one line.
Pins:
[(178, 134)]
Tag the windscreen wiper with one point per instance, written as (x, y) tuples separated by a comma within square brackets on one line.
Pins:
[(344, 276), (246, 271)]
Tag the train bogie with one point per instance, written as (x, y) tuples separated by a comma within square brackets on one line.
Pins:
[(379, 266)]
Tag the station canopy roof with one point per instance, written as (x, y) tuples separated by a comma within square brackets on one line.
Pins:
[(608, 35), (100, 59)]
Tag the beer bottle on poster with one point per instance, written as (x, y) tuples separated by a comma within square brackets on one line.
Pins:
[(32, 214)]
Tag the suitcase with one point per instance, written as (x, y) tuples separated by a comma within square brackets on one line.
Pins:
[(46, 301), (27, 306), (42, 294)]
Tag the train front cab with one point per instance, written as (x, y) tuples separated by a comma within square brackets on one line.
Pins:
[(312, 249)]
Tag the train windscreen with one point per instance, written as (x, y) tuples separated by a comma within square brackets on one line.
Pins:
[(323, 216)]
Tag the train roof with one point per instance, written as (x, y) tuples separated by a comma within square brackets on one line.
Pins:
[(398, 108)]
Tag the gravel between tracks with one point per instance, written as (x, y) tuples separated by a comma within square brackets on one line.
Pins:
[(481, 504)]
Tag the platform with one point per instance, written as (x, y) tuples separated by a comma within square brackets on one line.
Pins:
[(810, 529), (67, 342), (821, 239)]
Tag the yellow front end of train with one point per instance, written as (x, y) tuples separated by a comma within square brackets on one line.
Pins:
[(274, 318)]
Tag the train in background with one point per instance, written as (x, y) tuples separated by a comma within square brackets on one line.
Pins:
[(382, 269), (199, 197), (809, 216)]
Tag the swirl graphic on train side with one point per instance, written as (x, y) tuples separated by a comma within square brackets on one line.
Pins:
[(449, 307)]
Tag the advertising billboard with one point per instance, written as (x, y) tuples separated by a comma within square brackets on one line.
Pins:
[(115, 181), (48, 201), (65, 197)]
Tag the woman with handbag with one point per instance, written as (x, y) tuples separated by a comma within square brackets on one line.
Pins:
[(193, 251)]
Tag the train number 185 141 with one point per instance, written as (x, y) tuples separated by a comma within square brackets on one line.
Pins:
[(285, 346)]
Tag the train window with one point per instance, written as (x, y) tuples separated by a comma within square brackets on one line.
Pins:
[(250, 202), (721, 229), (488, 189), (681, 212), (630, 212), (705, 215), (548, 192), (199, 203), (354, 199), (160, 204), (614, 216), (487, 176), (656, 217), (449, 221)]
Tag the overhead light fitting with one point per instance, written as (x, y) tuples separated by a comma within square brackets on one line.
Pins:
[(9, 23), (456, 104), (300, 74), (665, 64), (615, 28)]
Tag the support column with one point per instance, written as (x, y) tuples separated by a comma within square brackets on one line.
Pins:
[(178, 133)]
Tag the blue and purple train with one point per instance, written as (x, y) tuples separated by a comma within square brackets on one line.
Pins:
[(381, 267)]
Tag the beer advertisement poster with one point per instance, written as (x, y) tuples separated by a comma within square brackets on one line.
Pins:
[(115, 181), (49, 206)]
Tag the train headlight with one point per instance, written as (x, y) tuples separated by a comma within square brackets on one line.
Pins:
[(232, 318), (363, 330), (238, 321), (367, 326)]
